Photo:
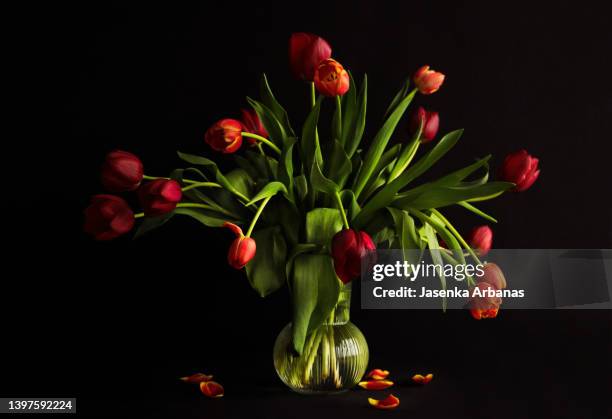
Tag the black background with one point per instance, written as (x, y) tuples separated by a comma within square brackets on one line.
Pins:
[(121, 321)]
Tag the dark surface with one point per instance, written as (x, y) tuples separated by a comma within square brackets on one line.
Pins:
[(116, 324)]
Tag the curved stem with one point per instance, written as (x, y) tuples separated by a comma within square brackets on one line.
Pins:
[(339, 121), (194, 205), (456, 234), (313, 95), (268, 167), (342, 212), (201, 184), (256, 216), (263, 140)]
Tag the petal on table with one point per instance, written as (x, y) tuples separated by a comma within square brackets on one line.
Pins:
[(212, 389), (197, 378), (376, 384), (391, 402)]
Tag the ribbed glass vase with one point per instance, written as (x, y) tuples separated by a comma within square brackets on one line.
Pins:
[(335, 356)]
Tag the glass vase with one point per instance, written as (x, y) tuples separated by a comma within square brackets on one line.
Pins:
[(335, 355)]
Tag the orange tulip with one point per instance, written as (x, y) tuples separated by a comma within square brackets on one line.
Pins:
[(427, 81), (243, 248), (331, 79), (225, 136), (391, 402)]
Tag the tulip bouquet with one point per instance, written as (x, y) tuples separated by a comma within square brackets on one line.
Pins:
[(306, 206)]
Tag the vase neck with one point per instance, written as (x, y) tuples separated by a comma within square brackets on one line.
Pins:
[(341, 314)]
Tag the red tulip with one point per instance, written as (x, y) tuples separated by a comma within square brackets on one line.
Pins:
[(107, 217), (431, 122), (331, 79), (306, 51), (487, 306), (225, 136), (481, 239), (159, 196), (252, 124), (121, 171), (493, 275), (427, 81), (243, 248), (520, 168), (348, 248)]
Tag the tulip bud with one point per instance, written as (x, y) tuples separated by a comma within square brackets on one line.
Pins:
[(243, 248), (521, 169), (252, 123), (159, 196), (481, 239), (121, 171), (225, 136), (348, 248), (427, 81), (331, 79), (306, 51), (430, 121), (107, 217)]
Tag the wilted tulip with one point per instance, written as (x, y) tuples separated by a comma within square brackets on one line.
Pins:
[(108, 217), (306, 51), (348, 248), (243, 248), (251, 123), (331, 79), (121, 171), (225, 136), (481, 239), (430, 121), (159, 196), (520, 168), (493, 275), (427, 81), (483, 306)]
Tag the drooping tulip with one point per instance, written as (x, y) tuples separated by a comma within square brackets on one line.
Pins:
[(430, 121), (225, 135), (108, 217), (306, 51), (520, 168), (331, 79), (484, 303), (159, 196), (121, 171), (242, 249), (252, 124), (481, 239), (427, 81), (348, 248)]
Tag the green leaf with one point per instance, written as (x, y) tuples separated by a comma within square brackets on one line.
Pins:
[(208, 218), (401, 94), (275, 129), (150, 223), (297, 250), (349, 111), (301, 186), (266, 271), (285, 165), (322, 224), (384, 197), (320, 182), (241, 180), (310, 141), (350, 203), (339, 165), (477, 211), (267, 97), (268, 190), (247, 166), (434, 248), (356, 128), (437, 197), (266, 166), (315, 290), (379, 143)]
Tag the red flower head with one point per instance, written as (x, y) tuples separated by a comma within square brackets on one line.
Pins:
[(243, 248), (121, 171), (159, 196), (427, 81), (483, 306), (431, 122), (252, 124), (348, 248), (107, 217), (331, 79), (306, 51), (225, 136), (520, 168), (481, 239)]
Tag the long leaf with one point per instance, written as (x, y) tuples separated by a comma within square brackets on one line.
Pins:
[(277, 133), (267, 97), (438, 197), (266, 271), (355, 132), (268, 190), (322, 224), (208, 218)]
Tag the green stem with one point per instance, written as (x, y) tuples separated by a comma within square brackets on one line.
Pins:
[(342, 212), (456, 234), (339, 120), (263, 140), (201, 184), (256, 216), (161, 177), (139, 215), (313, 95), (194, 205), (268, 166)]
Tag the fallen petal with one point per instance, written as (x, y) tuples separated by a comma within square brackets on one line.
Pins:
[(390, 402), (378, 374), (419, 379), (212, 389), (197, 378), (376, 384)]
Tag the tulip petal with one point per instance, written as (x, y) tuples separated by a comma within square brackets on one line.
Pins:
[(378, 374), (376, 384), (391, 402), (212, 389), (235, 229), (197, 378), (420, 379)]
